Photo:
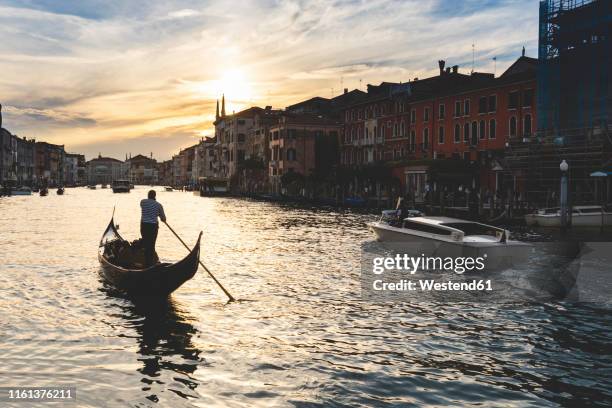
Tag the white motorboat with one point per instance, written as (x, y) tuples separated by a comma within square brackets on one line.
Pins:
[(450, 237), (22, 191), (582, 216)]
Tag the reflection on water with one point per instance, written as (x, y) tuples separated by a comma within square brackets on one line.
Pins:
[(164, 335), (303, 336)]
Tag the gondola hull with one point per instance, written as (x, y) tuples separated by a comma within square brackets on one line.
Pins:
[(158, 280)]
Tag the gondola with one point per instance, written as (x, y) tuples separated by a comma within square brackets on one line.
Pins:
[(158, 280)]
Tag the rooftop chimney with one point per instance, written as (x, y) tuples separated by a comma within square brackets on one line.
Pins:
[(268, 107), (441, 65), (448, 70), (455, 69), (345, 90)]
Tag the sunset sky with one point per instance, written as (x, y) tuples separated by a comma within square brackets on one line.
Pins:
[(119, 76)]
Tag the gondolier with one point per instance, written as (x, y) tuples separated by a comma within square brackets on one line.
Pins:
[(149, 226)]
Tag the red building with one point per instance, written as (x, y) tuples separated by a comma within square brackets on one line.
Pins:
[(464, 120)]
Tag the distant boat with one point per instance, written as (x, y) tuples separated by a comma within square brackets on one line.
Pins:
[(121, 186), (60, 191), (169, 189), (22, 191), (91, 186), (44, 191), (104, 186), (582, 216), (131, 186)]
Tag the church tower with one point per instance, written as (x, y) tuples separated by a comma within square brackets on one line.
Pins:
[(217, 114), (223, 106)]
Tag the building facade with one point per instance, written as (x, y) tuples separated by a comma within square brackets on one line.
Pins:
[(49, 162), (104, 170)]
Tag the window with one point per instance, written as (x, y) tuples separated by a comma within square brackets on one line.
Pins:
[(513, 126), (457, 109), (513, 100), (527, 98), (402, 129), (466, 132), (457, 133), (527, 126), (291, 155), (413, 116), (474, 133), (466, 156), (441, 135), (483, 128), (492, 103), (241, 121), (241, 137), (412, 140), (395, 129), (441, 111), (466, 107), (482, 104), (425, 138), (240, 155), (426, 114), (292, 133), (381, 132), (492, 128), (374, 132)]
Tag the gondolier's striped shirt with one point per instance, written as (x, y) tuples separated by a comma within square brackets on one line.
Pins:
[(151, 209)]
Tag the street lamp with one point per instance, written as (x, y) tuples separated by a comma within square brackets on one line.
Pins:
[(564, 208)]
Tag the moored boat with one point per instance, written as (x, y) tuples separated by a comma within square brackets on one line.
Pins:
[(44, 191), (60, 191), (22, 191), (91, 186), (160, 279), (169, 188), (582, 216)]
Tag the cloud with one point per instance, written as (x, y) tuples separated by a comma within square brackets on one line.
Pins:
[(93, 72)]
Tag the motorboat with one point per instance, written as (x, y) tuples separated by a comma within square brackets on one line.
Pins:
[(91, 186), (449, 237), (44, 191), (60, 191), (121, 186), (21, 191), (103, 185), (169, 189), (582, 216)]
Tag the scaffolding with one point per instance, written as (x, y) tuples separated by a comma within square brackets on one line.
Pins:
[(574, 64), (573, 105)]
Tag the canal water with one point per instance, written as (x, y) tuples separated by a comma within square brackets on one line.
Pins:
[(301, 334)]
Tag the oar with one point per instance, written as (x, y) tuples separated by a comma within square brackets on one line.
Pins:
[(231, 298)]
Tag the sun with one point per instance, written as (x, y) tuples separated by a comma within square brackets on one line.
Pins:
[(236, 87)]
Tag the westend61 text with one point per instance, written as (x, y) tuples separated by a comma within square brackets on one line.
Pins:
[(432, 285)]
